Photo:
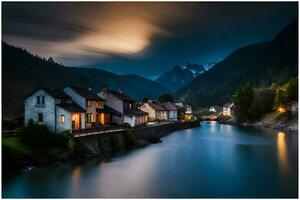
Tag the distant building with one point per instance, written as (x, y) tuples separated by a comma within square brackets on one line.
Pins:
[(126, 106), (188, 112), (292, 106), (228, 109), (215, 109), (171, 109), (155, 111)]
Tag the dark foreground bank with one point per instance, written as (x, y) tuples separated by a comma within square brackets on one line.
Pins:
[(16, 155)]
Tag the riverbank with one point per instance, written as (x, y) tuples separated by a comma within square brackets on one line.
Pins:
[(16, 155), (286, 122)]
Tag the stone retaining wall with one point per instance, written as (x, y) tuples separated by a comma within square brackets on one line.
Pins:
[(103, 144)]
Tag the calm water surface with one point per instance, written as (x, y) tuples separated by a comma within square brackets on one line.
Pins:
[(213, 160)]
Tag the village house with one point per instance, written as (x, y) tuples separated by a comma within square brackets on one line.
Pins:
[(227, 109), (292, 106), (96, 112), (188, 113), (155, 111), (215, 109), (126, 106), (53, 108), (171, 110)]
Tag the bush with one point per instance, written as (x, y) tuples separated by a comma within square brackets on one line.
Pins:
[(39, 136), (126, 126)]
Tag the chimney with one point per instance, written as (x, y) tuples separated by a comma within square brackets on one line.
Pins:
[(120, 90)]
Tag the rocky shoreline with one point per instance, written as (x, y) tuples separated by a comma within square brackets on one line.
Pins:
[(286, 122)]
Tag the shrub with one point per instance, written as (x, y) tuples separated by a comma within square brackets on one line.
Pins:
[(126, 126), (39, 136)]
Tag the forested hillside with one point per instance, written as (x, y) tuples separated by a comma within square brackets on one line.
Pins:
[(260, 64)]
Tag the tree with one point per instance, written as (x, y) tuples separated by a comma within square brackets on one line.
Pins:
[(286, 93), (242, 100), (181, 113), (145, 99), (167, 97), (262, 103)]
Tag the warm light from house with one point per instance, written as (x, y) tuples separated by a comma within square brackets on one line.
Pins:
[(281, 109)]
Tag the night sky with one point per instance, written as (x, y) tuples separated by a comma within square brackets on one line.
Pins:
[(141, 38)]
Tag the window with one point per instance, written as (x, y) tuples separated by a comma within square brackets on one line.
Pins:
[(62, 118), (43, 100), (40, 117), (98, 104), (89, 117), (89, 103), (38, 100)]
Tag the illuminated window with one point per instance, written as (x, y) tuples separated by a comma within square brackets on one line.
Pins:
[(62, 119), (98, 104)]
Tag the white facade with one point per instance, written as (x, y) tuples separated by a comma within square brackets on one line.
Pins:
[(227, 110), (212, 109), (45, 110), (172, 115)]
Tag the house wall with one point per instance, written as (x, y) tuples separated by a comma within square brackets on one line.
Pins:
[(146, 108), (172, 115), (226, 111), (130, 120), (48, 110), (294, 107), (67, 125), (135, 120), (161, 115)]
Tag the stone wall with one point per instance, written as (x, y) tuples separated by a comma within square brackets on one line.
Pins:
[(107, 143)]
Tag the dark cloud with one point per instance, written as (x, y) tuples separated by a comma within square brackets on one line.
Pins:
[(142, 38)]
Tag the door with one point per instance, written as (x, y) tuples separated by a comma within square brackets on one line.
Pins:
[(76, 121)]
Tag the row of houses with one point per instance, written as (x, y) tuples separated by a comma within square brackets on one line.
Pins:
[(226, 110), (76, 108)]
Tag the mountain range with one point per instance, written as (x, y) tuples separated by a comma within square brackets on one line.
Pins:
[(260, 64), (179, 76), (22, 72)]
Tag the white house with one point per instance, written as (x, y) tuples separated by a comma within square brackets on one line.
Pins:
[(155, 111), (55, 109), (292, 106), (227, 109), (171, 109), (215, 109), (125, 105)]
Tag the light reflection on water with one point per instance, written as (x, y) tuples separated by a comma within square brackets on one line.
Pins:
[(209, 161)]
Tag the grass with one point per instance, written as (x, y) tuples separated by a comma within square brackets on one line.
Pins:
[(19, 148), (15, 144)]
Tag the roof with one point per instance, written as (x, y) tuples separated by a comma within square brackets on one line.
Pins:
[(110, 110), (120, 95), (169, 106), (227, 105), (71, 107), (56, 93), (156, 107), (135, 112), (86, 93), (292, 102)]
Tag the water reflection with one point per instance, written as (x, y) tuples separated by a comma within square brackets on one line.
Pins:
[(282, 152), (211, 161)]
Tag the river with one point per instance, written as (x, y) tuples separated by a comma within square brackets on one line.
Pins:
[(212, 160)]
